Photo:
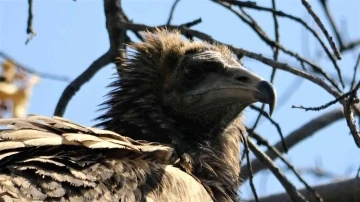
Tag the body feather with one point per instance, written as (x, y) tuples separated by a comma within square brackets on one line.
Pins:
[(53, 159)]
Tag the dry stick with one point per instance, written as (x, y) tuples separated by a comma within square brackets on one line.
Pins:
[(297, 136), (114, 15), (322, 27), (344, 190), (247, 154), (332, 23), (192, 23), (75, 85), (32, 71), (350, 45), (355, 71), (262, 141), (278, 128), (172, 12), (272, 77), (320, 82), (302, 22), (342, 45), (29, 28), (254, 25), (289, 187), (325, 105), (241, 3), (349, 114)]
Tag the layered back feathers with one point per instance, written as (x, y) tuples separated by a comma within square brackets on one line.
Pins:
[(54, 159)]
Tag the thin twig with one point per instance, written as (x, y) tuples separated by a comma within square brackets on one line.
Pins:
[(114, 15), (288, 164), (32, 71), (350, 116), (75, 85), (297, 136), (325, 105), (241, 3), (172, 12), (302, 22), (247, 154), (29, 28), (322, 27), (350, 45), (289, 187), (262, 34), (344, 190), (323, 3), (355, 72), (278, 128), (272, 77), (192, 23)]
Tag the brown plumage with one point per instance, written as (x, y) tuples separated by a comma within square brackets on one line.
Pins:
[(173, 128)]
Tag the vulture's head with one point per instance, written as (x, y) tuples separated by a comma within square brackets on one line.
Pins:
[(192, 89)]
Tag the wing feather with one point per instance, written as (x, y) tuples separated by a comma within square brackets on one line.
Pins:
[(44, 158)]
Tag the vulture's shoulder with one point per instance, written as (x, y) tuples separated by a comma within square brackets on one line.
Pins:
[(54, 159)]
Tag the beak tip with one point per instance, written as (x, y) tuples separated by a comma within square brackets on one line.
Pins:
[(267, 94)]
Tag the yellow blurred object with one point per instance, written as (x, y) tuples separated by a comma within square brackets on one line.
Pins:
[(15, 90), (8, 70)]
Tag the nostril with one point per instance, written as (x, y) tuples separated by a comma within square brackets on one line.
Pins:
[(242, 79)]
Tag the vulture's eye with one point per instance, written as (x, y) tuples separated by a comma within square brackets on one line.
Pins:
[(193, 73)]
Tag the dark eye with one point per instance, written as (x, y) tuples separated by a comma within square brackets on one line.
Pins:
[(193, 73)]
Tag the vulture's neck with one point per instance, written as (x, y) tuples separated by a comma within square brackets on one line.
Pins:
[(216, 161)]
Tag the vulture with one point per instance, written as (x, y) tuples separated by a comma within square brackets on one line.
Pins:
[(171, 131)]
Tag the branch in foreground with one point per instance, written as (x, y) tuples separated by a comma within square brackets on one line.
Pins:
[(117, 37), (346, 190), (289, 165), (262, 34), (349, 115), (322, 27), (278, 128), (351, 92), (305, 131), (247, 154), (75, 85), (289, 187), (172, 11)]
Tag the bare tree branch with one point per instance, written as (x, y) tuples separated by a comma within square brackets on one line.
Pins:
[(345, 190), (305, 131), (289, 165), (323, 29), (357, 63), (262, 34), (289, 187), (29, 28), (117, 37), (247, 154), (172, 12)]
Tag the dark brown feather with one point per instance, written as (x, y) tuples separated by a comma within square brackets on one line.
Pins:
[(86, 164)]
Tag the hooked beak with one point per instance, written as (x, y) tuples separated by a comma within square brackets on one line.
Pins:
[(240, 86), (266, 94)]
